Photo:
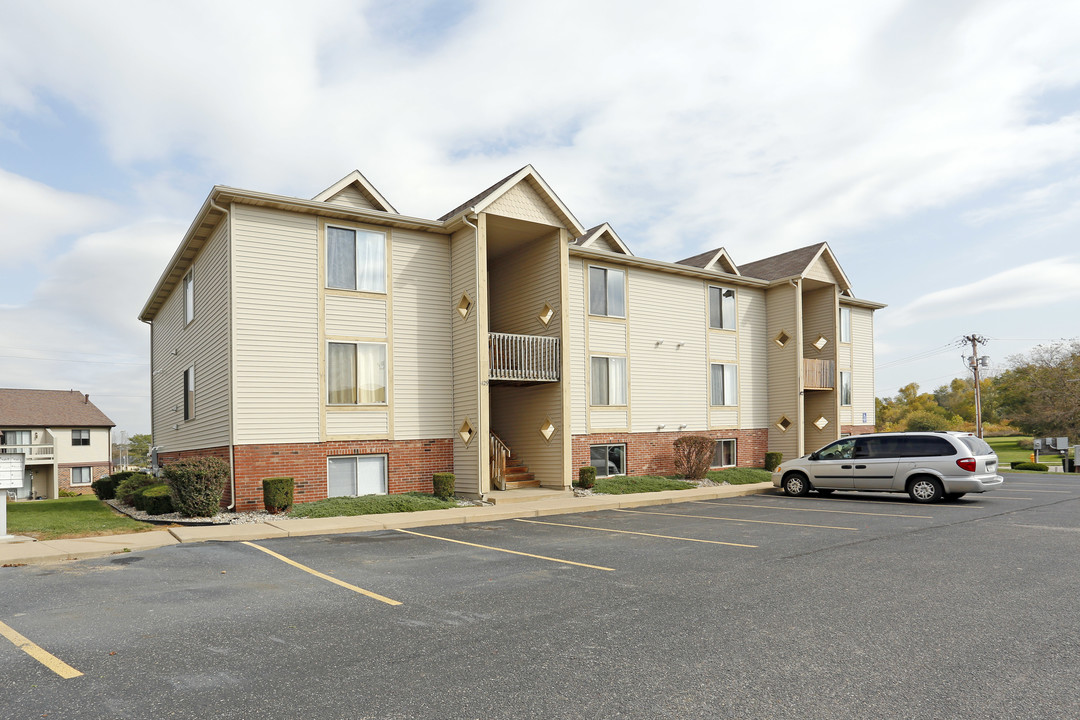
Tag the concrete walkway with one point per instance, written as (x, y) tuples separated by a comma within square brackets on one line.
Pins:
[(49, 551)]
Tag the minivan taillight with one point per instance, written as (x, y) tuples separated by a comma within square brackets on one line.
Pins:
[(966, 464)]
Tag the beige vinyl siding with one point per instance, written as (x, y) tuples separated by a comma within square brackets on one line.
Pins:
[(753, 359), (668, 383), (97, 452), (578, 353), (468, 460), (603, 418), (820, 270), (603, 243), (723, 346), (276, 343), (862, 373), (357, 423), (784, 363), (819, 403), (522, 202), (204, 344), (607, 337), (724, 417), (355, 316), (352, 196), (423, 317), (819, 320), (844, 360), (520, 283)]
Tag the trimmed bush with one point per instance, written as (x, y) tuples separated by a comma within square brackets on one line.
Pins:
[(442, 485), (1039, 467), (127, 489), (773, 460), (154, 500), (68, 493), (197, 485), (693, 456), (277, 494), (586, 477), (105, 488)]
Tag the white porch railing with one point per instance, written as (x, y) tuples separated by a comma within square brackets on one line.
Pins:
[(528, 358), (34, 453)]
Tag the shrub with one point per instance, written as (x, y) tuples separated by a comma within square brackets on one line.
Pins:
[(105, 488), (586, 477), (154, 500), (442, 485), (68, 493), (126, 490), (693, 456), (926, 421), (773, 460), (1030, 466), (196, 485), (277, 494)]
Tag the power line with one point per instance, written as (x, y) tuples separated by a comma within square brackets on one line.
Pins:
[(940, 350), (80, 361)]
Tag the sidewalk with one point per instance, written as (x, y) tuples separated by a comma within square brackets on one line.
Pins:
[(49, 551)]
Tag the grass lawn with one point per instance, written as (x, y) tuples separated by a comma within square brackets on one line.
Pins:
[(626, 484), (739, 475), (1008, 449), (370, 505), (83, 516)]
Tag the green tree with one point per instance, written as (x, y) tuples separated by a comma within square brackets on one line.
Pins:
[(1040, 392), (139, 449)]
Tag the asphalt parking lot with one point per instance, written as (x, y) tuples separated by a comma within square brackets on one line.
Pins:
[(765, 606)]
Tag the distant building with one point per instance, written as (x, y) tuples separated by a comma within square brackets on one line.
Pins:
[(66, 439), (359, 350)]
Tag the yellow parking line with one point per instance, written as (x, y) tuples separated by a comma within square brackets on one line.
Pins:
[(631, 532), (714, 517), (512, 552), (318, 574), (843, 512), (47, 659)]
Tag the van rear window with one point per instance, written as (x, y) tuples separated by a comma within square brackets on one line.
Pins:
[(976, 445)]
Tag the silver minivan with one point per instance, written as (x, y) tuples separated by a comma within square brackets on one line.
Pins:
[(928, 466)]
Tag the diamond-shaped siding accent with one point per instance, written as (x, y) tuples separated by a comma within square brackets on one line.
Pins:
[(546, 313), (821, 342), (821, 422), (783, 424), (547, 429), (464, 305), (782, 339), (466, 432)]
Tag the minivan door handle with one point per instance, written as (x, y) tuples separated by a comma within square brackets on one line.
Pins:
[(845, 467), (860, 467)]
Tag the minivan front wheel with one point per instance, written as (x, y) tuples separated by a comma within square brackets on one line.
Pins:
[(925, 490), (796, 485)]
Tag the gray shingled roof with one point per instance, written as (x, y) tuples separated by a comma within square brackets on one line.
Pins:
[(581, 238), (700, 260), (793, 262), (49, 408), (477, 198)]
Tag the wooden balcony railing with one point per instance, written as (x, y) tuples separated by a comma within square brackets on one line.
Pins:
[(523, 358), (819, 374)]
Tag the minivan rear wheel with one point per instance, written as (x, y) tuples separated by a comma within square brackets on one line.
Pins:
[(797, 485), (925, 490)]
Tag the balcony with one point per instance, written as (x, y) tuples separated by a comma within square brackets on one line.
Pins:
[(523, 359), (34, 453), (819, 374)]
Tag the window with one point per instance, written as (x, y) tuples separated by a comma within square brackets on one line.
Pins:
[(356, 373), (80, 476), (355, 259), (608, 459), (845, 325), (80, 437), (16, 437), (607, 292), (725, 384), (724, 455), (189, 297), (721, 308), (189, 393), (608, 381), (356, 475), (845, 387)]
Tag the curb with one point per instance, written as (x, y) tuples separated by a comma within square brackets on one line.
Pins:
[(51, 551)]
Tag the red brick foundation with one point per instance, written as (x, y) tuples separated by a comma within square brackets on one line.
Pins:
[(63, 477), (410, 465), (857, 429), (653, 453)]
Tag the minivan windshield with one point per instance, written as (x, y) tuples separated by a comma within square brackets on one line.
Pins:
[(976, 445)]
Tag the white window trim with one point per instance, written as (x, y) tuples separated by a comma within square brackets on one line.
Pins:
[(189, 297), (356, 257), (588, 290), (386, 472), (386, 374), (735, 311), (734, 452), (609, 445), (728, 402), (849, 393), (626, 381), (89, 475), (845, 325)]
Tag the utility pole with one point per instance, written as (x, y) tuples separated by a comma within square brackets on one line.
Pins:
[(974, 362)]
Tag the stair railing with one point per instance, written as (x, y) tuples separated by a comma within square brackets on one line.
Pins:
[(499, 454)]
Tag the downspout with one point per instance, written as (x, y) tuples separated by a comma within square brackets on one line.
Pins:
[(479, 343), (232, 456)]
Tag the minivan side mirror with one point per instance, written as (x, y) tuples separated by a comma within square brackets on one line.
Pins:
[(814, 456)]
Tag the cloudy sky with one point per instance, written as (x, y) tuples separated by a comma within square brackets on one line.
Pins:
[(935, 145)]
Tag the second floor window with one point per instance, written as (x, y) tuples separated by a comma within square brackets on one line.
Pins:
[(189, 393), (845, 325), (355, 259), (725, 384), (721, 308), (80, 437), (845, 387), (189, 297), (608, 381), (607, 292), (356, 373)]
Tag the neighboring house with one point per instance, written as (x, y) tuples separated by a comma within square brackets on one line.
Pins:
[(359, 350), (65, 438)]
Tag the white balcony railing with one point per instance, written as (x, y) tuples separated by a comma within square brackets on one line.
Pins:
[(34, 453), (524, 358)]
